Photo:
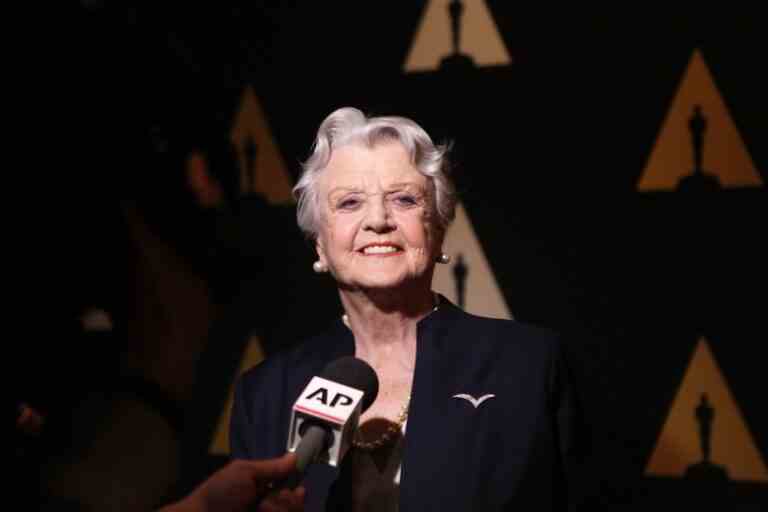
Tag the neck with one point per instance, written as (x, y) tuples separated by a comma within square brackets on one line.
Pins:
[(385, 321)]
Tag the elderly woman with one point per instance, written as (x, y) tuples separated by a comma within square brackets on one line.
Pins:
[(472, 413)]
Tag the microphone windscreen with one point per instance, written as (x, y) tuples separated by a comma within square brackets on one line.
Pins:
[(355, 373)]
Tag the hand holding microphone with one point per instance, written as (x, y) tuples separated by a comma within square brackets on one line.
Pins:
[(324, 419), (239, 484)]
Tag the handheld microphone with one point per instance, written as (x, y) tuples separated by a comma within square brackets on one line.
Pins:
[(326, 414)]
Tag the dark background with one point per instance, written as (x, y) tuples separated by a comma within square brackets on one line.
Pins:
[(548, 152)]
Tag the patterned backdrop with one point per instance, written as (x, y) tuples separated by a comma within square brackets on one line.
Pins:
[(611, 169)]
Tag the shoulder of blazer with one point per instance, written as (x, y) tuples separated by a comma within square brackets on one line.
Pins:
[(496, 334)]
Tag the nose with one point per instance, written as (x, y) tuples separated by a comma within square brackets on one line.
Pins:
[(378, 218)]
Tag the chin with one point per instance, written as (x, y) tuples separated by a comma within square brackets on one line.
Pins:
[(372, 283)]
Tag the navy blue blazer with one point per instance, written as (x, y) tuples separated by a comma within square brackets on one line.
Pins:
[(510, 453)]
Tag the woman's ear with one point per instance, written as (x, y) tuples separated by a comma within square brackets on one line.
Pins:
[(439, 239), (320, 249)]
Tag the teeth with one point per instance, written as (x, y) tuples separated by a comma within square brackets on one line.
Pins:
[(379, 249)]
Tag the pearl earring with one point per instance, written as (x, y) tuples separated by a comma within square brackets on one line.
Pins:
[(443, 258), (318, 267)]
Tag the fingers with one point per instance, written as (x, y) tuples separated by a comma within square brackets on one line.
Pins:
[(262, 470), (284, 501)]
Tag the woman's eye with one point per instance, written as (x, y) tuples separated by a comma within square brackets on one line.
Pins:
[(349, 203), (406, 200)]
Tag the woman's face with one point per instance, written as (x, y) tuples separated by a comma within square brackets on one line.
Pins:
[(377, 229)]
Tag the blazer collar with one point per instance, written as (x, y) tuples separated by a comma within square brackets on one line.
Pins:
[(339, 342), (431, 331)]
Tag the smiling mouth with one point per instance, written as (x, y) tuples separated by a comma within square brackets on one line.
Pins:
[(380, 250)]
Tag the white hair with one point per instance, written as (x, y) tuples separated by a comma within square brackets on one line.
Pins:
[(350, 126)]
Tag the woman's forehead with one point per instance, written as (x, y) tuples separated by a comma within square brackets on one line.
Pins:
[(386, 165)]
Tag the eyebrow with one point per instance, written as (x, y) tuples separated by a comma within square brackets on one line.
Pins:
[(405, 184), (393, 187), (344, 189)]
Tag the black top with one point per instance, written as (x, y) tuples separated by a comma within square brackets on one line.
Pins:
[(369, 480)]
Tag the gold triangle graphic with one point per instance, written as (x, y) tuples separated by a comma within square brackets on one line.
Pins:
[(704, 398), (479, 38), (724, 154), (482, 295), (253, 355), (265, 174)]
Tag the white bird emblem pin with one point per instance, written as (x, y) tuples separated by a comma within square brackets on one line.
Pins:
[(474, 401)]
